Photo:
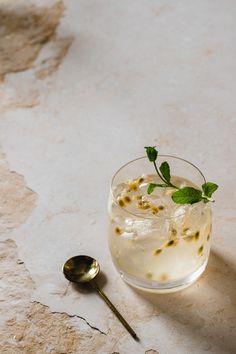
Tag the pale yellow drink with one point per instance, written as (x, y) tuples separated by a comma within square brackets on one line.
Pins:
[(155, 243)]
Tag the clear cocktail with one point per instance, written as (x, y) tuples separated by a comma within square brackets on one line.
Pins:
[(156, 244)]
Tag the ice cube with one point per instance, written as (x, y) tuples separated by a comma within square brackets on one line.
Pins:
[(180, 210), (119, 189), (137, 228)]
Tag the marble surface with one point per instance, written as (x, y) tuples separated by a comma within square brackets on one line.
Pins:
[(84, 86)]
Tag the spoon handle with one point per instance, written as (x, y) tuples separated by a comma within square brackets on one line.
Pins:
[(115, 311)]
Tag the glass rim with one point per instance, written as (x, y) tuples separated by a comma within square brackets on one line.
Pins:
[(156, 216)]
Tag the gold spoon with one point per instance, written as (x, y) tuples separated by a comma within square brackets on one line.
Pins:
[(83, 269)]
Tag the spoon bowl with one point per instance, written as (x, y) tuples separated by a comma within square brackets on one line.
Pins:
[(81, 269)]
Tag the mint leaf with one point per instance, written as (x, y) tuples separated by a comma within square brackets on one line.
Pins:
[(165, 171), (187, 195), (151, 153), (209, 188), (152, 186)]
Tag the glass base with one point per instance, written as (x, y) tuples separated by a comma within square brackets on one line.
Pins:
[(164, 287)]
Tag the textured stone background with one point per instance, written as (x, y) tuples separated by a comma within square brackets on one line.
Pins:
[(84, 85)]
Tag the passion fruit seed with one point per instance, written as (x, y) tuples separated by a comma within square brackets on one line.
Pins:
[(118, 231), (133, 186), (161, 207), (163, 277), (196, 236), (121, 203), (127, 199), (155, 210), (157, 252), (140, 180), (143, 205), (171, 243), (149, 275), (200, 250), (174, 232)]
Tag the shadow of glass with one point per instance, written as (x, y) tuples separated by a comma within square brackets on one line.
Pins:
[(86, 288), (208, 307)]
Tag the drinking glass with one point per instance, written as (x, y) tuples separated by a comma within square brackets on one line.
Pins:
[(155, 244)]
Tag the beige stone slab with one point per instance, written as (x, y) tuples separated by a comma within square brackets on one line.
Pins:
[(84, 86)]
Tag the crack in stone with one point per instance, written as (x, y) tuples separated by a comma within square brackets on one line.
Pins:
[(28, 327), (71, 316)]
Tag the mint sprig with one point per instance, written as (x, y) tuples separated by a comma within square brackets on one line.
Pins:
[(185, 195), (164, 172)]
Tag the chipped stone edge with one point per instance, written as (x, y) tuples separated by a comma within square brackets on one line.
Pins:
[(71, 316)]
